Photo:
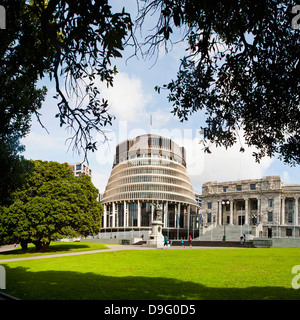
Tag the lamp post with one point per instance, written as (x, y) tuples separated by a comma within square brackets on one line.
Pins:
[(224, 222)]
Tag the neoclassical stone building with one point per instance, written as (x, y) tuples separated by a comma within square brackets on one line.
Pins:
[(146, 170), (267, 205)]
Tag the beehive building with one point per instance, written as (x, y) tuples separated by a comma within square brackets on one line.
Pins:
[(146, 170)]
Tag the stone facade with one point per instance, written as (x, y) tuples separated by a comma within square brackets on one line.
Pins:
[(267, 205)]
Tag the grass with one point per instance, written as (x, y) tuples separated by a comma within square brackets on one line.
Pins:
[(55, 247), (158, 274)]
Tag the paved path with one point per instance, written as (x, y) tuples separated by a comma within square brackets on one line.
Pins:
[(110, 249), (8, 247)]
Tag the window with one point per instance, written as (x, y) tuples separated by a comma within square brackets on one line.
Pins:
[(78, 166), (133, 214), (252, 186), (270, 201), (270, 216), (208, 205), (209, 218), (225, 189), (239, 188), (146, 209), (290, 217), (289, 232), (290, 204)]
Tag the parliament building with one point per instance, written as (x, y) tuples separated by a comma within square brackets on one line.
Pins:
[(268, 206)]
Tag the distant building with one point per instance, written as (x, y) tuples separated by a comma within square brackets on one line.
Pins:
[(268, 206), (100, 197), (198, 197), (80, 168)]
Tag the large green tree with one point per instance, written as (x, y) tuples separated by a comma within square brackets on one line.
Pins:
[(52, 204), (242, 69)]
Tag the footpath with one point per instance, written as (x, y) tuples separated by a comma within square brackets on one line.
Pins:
[(110, 249)]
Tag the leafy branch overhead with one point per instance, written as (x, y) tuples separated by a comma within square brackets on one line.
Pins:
[(72, 42), (242, 70)]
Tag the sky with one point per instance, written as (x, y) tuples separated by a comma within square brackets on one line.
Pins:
[(132, 100)]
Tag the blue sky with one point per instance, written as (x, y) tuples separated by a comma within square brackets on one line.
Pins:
[(132, 100)]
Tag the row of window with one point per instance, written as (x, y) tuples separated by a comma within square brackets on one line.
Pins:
[(134, 155), (153, 162), (289, 217), (160, 142), (147, 195), (149, 187), (149, 170), (148, 178), (253, 205), (146, 215), (239, 187)]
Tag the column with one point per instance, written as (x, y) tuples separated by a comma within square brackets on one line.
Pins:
[(296, 210), (178, 215), (283, 210), (166, 217), (231, 211), (113, 215), (125, 215), (104, 216), (152, 212), (188, 218), (259, 217), (247, 211), (220, 212), (139, 214)]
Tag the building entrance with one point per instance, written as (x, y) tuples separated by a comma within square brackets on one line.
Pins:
[(241, 220)]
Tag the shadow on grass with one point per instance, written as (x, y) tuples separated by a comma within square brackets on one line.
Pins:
[(60, 285), (54, 248)]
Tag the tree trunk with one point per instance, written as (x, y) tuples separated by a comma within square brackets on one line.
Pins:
[(38, 245), (24, 245), (41, 246)]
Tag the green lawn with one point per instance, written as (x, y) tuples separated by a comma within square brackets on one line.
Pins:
[(55, 247), (158, 274)]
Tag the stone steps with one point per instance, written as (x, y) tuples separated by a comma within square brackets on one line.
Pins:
[(233, 233)]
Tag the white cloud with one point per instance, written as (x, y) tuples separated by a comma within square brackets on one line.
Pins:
[(285, 177), (228, 165), (100, 180), (127, 98)]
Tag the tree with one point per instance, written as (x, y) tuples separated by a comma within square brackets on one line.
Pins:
[(19, 100), (242, 69), (51, 205), (71, 42)]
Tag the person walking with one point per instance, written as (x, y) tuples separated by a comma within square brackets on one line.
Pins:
[(166, 241), (190, 240), (241, 239), (182, 243)]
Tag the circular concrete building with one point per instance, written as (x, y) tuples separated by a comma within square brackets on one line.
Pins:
[(147, 170)]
